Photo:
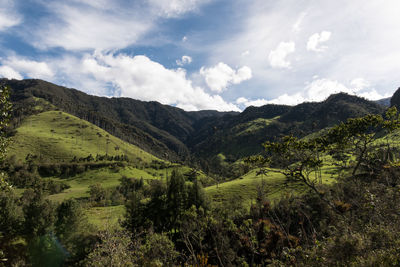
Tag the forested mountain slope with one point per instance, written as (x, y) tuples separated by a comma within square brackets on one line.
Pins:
[(159, 129), (243, 134), (172, 133)]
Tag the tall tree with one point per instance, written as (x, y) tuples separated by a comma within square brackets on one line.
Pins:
[(5, 114), (176, 197)]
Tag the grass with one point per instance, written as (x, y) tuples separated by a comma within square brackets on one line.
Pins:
[(253, 126), (275, 185), (105, 217), (56, 136), (107, 177)]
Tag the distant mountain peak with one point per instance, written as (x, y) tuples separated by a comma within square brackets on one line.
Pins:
[(395, 100)]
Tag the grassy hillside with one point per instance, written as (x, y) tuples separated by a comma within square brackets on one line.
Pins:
[(58, 136), (273, 184), (107, 177)]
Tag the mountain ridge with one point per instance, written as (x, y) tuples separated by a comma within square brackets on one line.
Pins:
[(174, 134)]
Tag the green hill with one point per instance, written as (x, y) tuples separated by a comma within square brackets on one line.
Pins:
[(57, 136)]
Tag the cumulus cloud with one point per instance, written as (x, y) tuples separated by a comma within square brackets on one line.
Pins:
[(141, 78), (277, 57), (8, 16), (9, 73), (315, 41), (319, 90), (359, 84), (30, 68), (184, 60), (219, 77), (284, 99)]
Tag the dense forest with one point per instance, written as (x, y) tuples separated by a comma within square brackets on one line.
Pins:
[(340, 157)]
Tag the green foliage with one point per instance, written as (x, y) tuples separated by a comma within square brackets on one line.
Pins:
[(116, 248), (113, 249), (46, 251), (97, 193), (299, 158), (165, 206), (11, 221), (5, 115), (39, 214)]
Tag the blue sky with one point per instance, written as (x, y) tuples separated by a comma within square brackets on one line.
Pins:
[(205, 54)]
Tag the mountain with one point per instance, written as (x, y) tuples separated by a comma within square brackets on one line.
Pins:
[(174, 134), (159, 129), (243, 134), (395, 100), (384, 101)]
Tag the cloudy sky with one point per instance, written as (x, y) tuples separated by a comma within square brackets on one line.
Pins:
[(205, 54)]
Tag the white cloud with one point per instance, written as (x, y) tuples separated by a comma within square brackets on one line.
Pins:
[(184, 60), (284, 99), (277, 57), (319, 90), (86, 27), (101, 4), (175, 8), (141, 78), (359, 84), (8, 16), (315, 41), (245, 53), (9, 73), (362, 44), (30, 68), (241, 100), (103, 24), (219, 77), (297, 25)]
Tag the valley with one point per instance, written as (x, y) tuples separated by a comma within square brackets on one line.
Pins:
[(127, 164)]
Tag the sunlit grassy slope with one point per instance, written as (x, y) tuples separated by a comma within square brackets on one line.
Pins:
[(252, 126), (107, 177), (275, 185), (56, 136), (105, 217)]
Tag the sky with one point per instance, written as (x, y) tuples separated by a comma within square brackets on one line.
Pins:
[(205, 54)]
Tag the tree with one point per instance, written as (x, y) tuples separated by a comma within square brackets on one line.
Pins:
[(5, 115), (176, 197), (6, 217), (97, 193), (72, 229), (354, 142)]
